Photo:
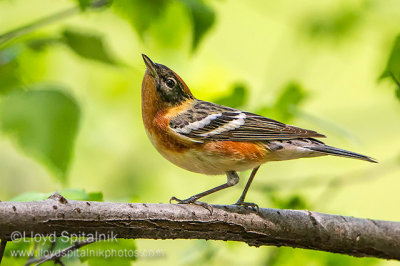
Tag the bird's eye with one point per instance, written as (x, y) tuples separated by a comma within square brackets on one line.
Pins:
[(170, 83)]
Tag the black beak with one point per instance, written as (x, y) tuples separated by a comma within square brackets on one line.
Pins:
[(150, 66)]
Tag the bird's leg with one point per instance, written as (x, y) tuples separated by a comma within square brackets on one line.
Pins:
[(241, 201), (232, 179)]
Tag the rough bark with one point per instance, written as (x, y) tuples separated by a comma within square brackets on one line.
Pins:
[(293, 228)]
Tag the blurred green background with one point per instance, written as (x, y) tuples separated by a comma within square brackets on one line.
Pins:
[(70, 107)]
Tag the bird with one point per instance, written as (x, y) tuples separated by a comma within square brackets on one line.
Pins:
[(211, 139)]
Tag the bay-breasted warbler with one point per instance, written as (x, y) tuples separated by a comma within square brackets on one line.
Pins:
[(212, 139)]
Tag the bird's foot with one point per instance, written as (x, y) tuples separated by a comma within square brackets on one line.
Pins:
[(250, 205), (193, 200)]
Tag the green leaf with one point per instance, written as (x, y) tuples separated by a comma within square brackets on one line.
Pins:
[(44, 124), (41, 44), (141, 14), (236, 98), (9, 70), (294, 202), (291, 97), (31, 196), (337, 24), (13, 247), (203, 17), (74, 194), (95, 196), (88, 45), (287, 103), (83, 4), (112, 252), (393, 63), (80, 194), (392, 69)]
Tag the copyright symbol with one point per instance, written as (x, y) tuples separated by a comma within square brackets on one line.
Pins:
[(16, 236)]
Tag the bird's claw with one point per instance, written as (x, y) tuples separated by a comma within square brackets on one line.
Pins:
[(194, 201), (251, 205), (185, 201)]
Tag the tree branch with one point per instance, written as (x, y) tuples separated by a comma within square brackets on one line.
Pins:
[(61, 253), (20, 31), (302, 229)]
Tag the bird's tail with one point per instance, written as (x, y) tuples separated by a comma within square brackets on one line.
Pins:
[(339, 152)]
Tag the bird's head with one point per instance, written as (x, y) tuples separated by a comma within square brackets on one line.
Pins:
[(166, 84)]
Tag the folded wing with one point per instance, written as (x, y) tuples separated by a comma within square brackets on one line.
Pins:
[(209, 121)]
